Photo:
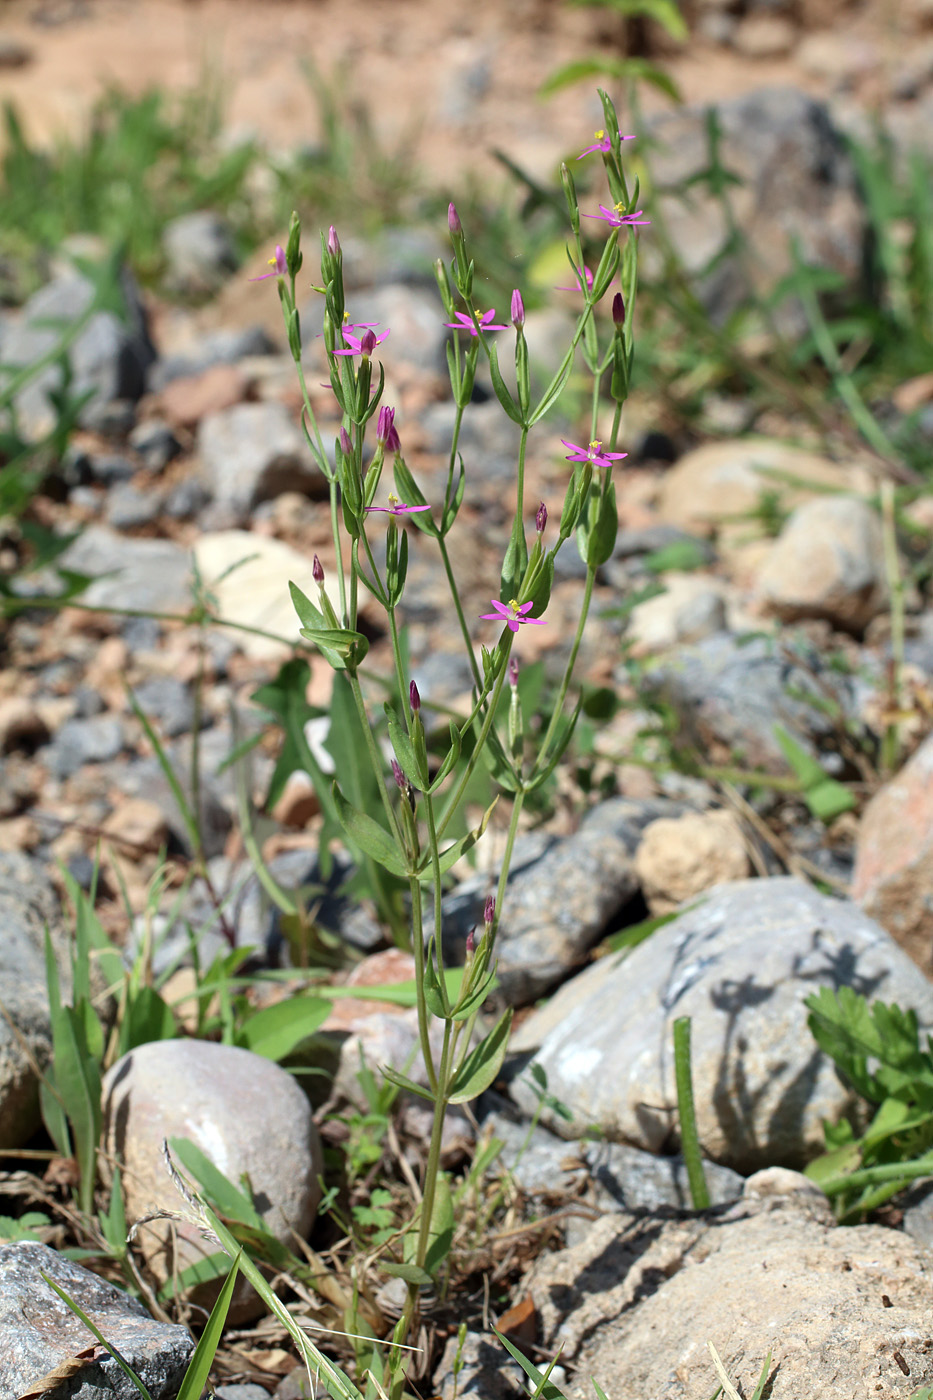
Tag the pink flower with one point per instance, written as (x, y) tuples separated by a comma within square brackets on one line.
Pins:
[(278, 265), (616, 218), (587, 277), (465, 323), (361, 345), (396, 507), (512, 613), (386, 431), (593, 453), (603, 143), (518, 310)]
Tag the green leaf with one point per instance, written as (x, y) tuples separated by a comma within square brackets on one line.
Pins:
[(229, 1199), (451, 758), (199, 1367), (483, 1063), (441, 1231), (77, 1080), (276, 1031), (515, 562), (341, 646), (147, 1018), (369, 836), (543, 1387), (823, 795), (394, 1076), (415, 770), (285, 697), (500, 387), (624, 69), (459, 848), (410, 492), (409, 1272)]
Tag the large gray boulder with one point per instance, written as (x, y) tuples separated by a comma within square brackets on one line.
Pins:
[(844, 1311), (40, 1333), (739, 962), (28, 904)]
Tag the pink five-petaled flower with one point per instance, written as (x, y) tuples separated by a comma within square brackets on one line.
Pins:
[(396, 507), (360, 345), (278, 265), (593, 453), (616, 218), (512, 613), (465, 323), (586, 277), (603, 143)]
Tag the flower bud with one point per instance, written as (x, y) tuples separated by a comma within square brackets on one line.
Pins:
[(518, 310), (368, 343), (541, 518), (401, 782), (470, 944), (346, 446), (317, 571), (414, 699), (333, 242), (384, 424), (453, 221), (513, 672), (489, 912), (618, 311)]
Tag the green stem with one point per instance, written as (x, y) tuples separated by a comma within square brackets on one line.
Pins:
[(417, 947), (507, 859), (689, 1138), (541, 761), (492, 704), (455, 595)]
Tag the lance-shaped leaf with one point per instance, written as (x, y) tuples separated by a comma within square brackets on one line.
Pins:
[(371, 838), (413, 765), (341, 646), (394, 1076), (483, 1063), (410, 492), (501, 388), (459, 848), (515, 562), (453, 754)]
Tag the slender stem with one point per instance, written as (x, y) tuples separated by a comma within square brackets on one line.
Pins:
[(417, 947), (492, 704), (686, 1110), (507, 858), (541, 760), (455, 595), (375, 759), (520, 484)]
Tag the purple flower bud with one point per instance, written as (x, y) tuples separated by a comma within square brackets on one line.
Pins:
[(317, 571), (384, 424), (470, 943), (453, 221), (400, 780), (346, 446), (489, 912), (368, 343), (541, 518), (618, 310), (518, 310), (392, 443), (414, 699), (513, 671), (333, 242)]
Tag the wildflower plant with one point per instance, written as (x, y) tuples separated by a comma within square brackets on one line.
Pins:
[(410, 837)]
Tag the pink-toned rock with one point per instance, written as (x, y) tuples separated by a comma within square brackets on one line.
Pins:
[(186, 401), (893, 877)]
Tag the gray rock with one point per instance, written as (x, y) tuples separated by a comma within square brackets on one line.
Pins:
[(199, 251), (110, 467), (797, 180), (81, 741), (629, 1179), (28, 904), (128, 507), (562, 894), (186, 499), (40, 1332), (739, 962), (155, 443), (917, 1205), (635, 1304), (110, 356), (828, 562), (397, 254), (244, 1112), (252, 452), (486, 1370), (170, 702), (222, 347), (134, 574), (145, 778), (416, 319), (488, 439), (729, 694)]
